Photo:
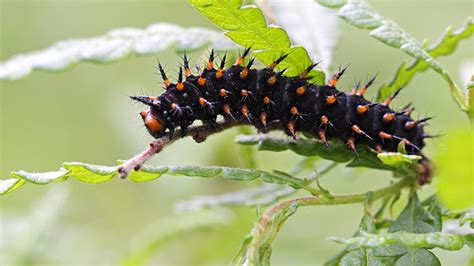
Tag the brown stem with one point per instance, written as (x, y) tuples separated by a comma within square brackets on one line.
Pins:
[(198, 133)]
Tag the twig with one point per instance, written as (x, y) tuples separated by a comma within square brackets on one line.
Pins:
[(198, 133), (268, 216)]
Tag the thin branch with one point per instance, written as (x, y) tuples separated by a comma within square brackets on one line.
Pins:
[(278, 210), (198, 133)]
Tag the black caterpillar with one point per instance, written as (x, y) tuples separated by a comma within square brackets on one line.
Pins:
[(265, 95)]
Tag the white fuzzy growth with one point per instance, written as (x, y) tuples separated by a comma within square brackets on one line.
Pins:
[(308, 24), (115, 45)]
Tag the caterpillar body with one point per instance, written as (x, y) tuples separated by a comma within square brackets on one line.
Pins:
[(262, 96)]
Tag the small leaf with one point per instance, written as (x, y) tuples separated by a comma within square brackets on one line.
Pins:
[(247, 26), (408, 240), (362, 15), (337, 152), (454, 170), (398, 160), (10, 185), (445, 45), (41, 178), (90, 173), (113, 46), (332, 3)]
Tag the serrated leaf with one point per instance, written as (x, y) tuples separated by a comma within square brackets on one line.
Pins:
[(415, 219), (97, 174), (41, 178), (299, 18), (113, 46), (90, 173), (454, 170), (247, 26), (396, 162), (360, 14), (445, 45)]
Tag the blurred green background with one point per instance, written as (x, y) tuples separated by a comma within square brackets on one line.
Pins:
[(84, 114)]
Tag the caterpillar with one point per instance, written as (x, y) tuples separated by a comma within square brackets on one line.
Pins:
[(263, 96)]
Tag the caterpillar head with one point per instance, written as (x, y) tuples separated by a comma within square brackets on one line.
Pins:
[(153, 123), (151, 117)]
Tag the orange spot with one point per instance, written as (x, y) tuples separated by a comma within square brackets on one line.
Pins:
[(244, 73), (202, 81), (271, 80), (239, 61), (167, 83), (152, 98), (351, 143), (388, 117), (244, 93), (324, 120), (173, 106), (322, 134), (151, 123), (361, 109), (226, 109), (356, 129), (410, 125), (187, 72), (202, 101), (180, 86), (263, 118), (266, 100), (384, 135), (219, 73), (222, 92), (332, 82), (362, 91), (331, 99), (300, 91), (294, 110), (291, 128), (244, 110), (378, 148)]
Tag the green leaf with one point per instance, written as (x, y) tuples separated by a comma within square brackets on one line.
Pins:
[(115, 45), (9, 185), (454, 170), (247, 26), (41, 178), (396, 162), (445, 45), (97, 174), (359, 255), (360, 14), (256, 248), (415, 219), (408, 240), (90, 173), (256, 196), (399, 160)]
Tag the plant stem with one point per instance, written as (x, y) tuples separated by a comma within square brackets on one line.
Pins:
[(278, 210)]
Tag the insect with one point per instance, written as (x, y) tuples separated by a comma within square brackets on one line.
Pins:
[(262, 96)]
